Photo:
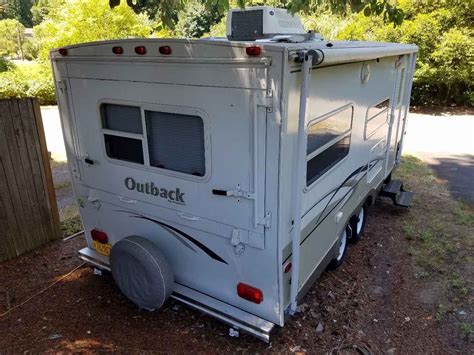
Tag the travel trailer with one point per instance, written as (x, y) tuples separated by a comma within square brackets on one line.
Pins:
[(228, 173)]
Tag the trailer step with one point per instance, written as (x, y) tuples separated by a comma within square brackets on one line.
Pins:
[(404, 199), (393, 187), (395, 191)]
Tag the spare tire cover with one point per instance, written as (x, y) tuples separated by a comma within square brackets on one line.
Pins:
[(141, 272)]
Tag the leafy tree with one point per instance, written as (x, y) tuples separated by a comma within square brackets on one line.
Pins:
[(11, 37), (18, 9), (44, 8), (196, 20), (80, 21), (166, 10)]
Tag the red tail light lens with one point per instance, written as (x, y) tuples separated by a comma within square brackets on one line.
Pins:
[(165, 50), (140, 50), (287, 268), (249, 293), (99, 236), (117, 50), (253, 51), (62, 51)]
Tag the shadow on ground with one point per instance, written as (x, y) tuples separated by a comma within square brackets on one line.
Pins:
[(458, 171)]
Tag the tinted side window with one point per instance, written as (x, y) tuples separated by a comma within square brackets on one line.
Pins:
[(322, 162), (376, 118), (328, 142), (327, 129)]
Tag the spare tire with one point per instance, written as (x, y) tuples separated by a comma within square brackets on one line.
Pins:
[(141, 272)]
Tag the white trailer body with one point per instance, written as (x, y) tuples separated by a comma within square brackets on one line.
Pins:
[(192, 145)]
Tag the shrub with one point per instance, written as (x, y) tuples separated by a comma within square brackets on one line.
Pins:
[(5, 65), (10, 32), (444, 73), (28, 80)]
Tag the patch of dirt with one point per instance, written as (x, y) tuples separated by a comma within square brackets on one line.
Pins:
[(370, 303), (376, 302)]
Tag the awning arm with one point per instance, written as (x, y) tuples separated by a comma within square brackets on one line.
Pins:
[(307, 58)]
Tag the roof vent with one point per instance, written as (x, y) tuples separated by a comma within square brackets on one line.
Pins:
[(261, 22)]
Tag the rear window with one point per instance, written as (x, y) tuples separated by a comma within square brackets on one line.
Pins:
[(122, 118), (163, 140), (176, 142)]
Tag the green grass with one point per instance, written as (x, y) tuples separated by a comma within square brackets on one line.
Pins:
[(439, 232), (465, 329), (71, 226), (440, 312)]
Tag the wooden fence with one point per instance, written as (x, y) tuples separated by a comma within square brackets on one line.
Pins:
[(28, 211)]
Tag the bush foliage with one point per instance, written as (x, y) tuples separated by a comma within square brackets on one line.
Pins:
[(28, 80), (442, 29)]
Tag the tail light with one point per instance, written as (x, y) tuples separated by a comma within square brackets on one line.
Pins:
[(287, 268), (62, 51), (253, 51), (117, 50), (140, 50), (165, 50), (249, 293), (99, 236)]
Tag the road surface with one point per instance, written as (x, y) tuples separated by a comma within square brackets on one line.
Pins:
[(446, 143)]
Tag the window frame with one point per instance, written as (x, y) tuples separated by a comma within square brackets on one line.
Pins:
[(180, 110), (332, 142)]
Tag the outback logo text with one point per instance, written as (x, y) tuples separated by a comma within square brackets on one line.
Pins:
[(149, 188)]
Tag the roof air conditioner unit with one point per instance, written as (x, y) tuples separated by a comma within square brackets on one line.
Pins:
[(261, 22)]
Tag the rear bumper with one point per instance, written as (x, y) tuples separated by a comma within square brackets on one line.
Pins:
[(226, 313)]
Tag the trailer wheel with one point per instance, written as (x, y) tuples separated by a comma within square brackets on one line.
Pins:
[(341, 250), (141, 272), (358, 224)]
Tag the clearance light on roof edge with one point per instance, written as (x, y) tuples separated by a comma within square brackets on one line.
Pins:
[(117, 50), (141, 50), (249, 293), (165, 50), (62, 51), (253, 51)]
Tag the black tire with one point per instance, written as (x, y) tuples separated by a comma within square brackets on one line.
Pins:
[(341, 250), (358, 224), (141, 272)]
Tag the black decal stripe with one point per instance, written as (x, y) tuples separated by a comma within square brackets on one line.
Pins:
[(354, 173), (186, 236), (180, 238), (334, 207)]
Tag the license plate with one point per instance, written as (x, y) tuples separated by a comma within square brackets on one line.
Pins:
[(103, 249)]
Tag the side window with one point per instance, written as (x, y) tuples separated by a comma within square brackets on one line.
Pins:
[(401, 87), (176, 142), (171, 141), (328, 141), (376, 117), (123, 135)]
